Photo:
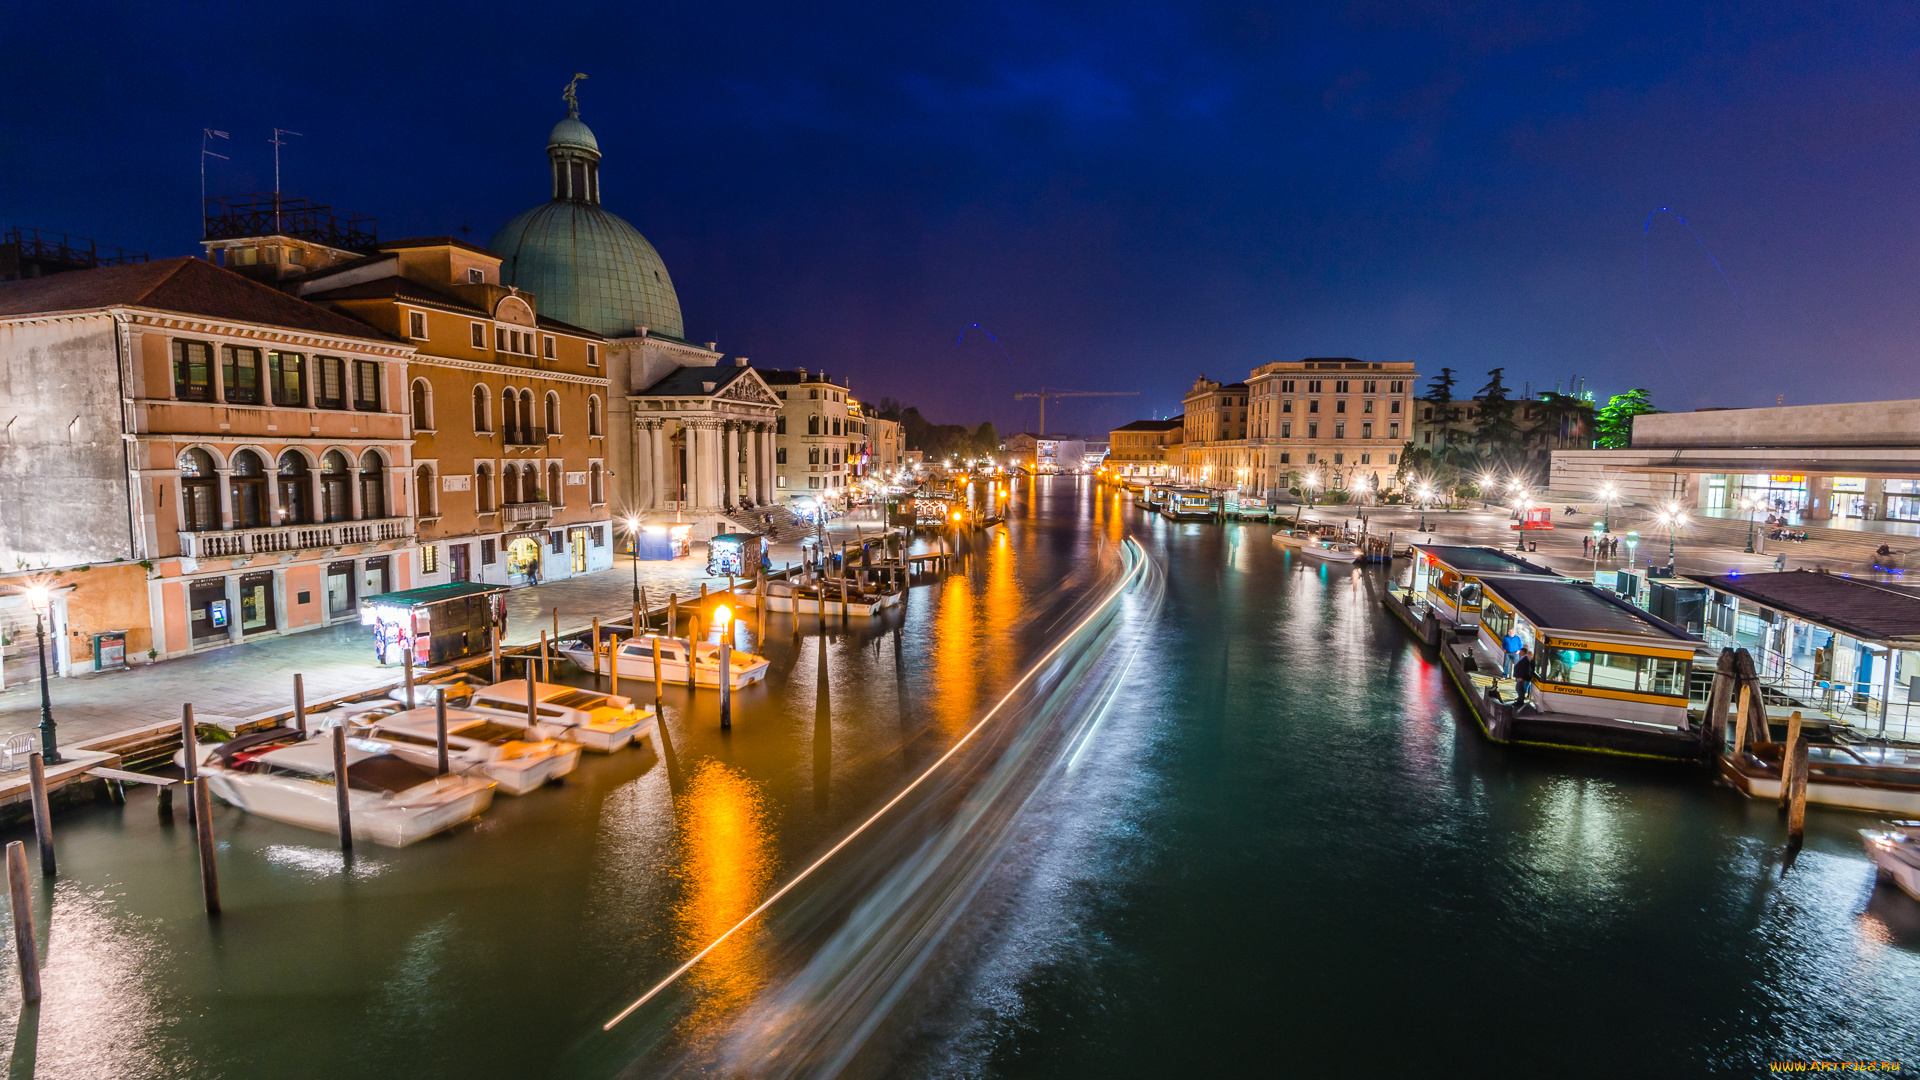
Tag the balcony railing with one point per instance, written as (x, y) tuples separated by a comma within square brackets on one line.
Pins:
[(526, 512), (520, 436), (281, 538)]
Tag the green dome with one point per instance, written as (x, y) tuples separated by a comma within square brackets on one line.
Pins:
[(584, 265)]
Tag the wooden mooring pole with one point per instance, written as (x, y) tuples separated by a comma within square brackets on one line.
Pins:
[(409, 660), (203, 832), (190, 751), (300, 704), (493, 648), (546, 668), (42, 813), (659, 681), (440, 730), (340, 787), (23, 939), (596, 652)]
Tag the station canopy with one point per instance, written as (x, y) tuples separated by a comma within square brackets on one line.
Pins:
[(1483, 560), (1866, 610), (1576, 607)]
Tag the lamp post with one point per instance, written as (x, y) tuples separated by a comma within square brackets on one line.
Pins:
[(1426, 493), (1672, 517), (1750, 504), (1608, 493), (633, 529), (1520, 500), (1487, 481), (1313, 481), (37, 597)]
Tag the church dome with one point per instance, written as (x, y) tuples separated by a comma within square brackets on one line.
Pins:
[(584, 265)]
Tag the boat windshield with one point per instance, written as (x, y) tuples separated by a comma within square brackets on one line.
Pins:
[(385, 772), (577, 699), (489, 732)]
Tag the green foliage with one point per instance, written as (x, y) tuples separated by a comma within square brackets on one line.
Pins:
[(1334, 498), (1440, 390), (1613, 424), (1496, 433), (941, 441)]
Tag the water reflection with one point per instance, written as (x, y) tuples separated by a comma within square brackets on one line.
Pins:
[(727, 860)]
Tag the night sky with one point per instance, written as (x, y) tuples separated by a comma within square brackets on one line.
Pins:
[(1125, 195)]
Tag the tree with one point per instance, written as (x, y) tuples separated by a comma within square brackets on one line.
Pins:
[(1613, 425), (1496, 433), (1439, 399)]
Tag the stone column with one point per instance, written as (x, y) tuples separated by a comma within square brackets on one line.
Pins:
[(711, 443), (226, 495), (232, 581), (770, 447), (274, 509), (691, 471), (1819, 498), (353, 491), (657, 438), (1876, 497), (730, 467)]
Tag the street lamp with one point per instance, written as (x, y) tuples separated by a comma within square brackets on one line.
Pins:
[(1520, 500), (1750, 503), (1425, 494), (37, 598), (1487, 481), (1672, 517), (1313, 481), (633, 530), (1608, 494)]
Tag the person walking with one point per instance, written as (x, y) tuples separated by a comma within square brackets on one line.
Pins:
[(1586, 546), (1522, 677)]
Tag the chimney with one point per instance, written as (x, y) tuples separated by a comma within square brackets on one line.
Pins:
[(803, 373), (739, 361)]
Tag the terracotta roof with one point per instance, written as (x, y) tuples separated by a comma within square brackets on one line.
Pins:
[(185, 286), (413, 292)]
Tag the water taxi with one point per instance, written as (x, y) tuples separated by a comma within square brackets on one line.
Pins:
[(1896, 852), (635, 657), (1329, 549), (1191, 504), (596, 721), (282, 775), (477, 746), (806, 599)]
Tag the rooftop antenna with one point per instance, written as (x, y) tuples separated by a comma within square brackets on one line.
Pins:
[(278, 142), (205, 134)]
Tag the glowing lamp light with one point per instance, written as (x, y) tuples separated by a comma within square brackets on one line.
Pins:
[(37, 596), (723, 614)]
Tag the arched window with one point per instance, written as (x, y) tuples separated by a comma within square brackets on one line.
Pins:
[(780, 455), (248, 481), (510, 414), (530, 483), (336, 491), (510, 484), (373, 486), (199, 497), (553, 413), (813, 455), (423, 491), (526, 417), (596, 485), (593, 415), (296, 489), (481, 420), (483, 487), (422, 406), (555, 492), (779, 425), (813, 425)]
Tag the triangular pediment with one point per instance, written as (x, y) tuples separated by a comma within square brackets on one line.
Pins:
[(750, 388)]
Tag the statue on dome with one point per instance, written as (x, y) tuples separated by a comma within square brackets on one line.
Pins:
[(572, 100)]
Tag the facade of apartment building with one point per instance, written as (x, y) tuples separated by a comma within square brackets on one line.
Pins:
[(225, 460), (1341, 422), (811, 440), (1140, 448)]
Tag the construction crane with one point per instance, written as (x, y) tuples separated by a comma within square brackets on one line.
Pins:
[(1043, 394)]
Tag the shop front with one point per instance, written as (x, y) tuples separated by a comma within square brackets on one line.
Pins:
[(256, 603), (523, 559), (207, 611)]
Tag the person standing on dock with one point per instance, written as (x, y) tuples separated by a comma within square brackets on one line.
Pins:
[(1522, 677), (1510, 646)]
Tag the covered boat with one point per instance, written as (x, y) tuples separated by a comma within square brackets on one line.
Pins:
[(635, 657), (516, 759), (596, 721)]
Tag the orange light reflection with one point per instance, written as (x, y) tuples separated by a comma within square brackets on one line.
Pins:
[(726, 844)]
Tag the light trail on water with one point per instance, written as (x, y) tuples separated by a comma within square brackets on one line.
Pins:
[(1139, 562)]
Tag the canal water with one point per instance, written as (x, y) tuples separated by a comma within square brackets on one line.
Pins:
[(1129, 798)]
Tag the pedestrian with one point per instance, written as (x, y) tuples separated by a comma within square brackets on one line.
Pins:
[(1522, 677), (1510, 647), (1586, 546)]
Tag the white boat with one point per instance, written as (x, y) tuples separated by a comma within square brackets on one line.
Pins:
[(1897, 854), (457, 690), (788, 596), (390, 800), (596, 721), (478, 746), (1331, 550), (635, 657)]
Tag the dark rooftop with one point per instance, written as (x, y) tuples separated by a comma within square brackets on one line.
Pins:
[(1577, 607), (1485, 560), (183, 285), (691, 381), (1168, 424), (1861, 609)]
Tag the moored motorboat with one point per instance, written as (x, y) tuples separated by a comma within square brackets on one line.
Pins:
[(1328, 550), (596, 721), (279, 774), (516, 759), (806, 599), (635, 657), (1897, 853)]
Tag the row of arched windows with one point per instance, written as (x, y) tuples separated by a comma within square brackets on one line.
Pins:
[(518, 412), (519, 483), (299, 491)]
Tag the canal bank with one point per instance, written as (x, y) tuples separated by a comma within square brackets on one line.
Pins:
[(1274, 841)]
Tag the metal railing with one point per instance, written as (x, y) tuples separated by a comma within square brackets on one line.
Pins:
[(524, 512), (282, 538), (1856, 704)]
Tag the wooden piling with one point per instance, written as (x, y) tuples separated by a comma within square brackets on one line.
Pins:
[(409, 662), (340, 804), (493, 651), (1796, 767), (759, 610), (190, 751), (556, 624), (693, 648), (1786, 759), (546, 666), (440, 730), (659, 682), (613, 659), (300, 704), (726, 679), (844, 599), (24, 944), (673, 614), (42, 813), (203, 831), (532, 715), (596, 652), (640, 608), (1740, 722)]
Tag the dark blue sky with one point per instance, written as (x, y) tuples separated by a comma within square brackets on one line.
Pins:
[(1126, 195)]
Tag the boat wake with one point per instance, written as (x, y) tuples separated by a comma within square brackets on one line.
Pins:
[(889, 947)]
